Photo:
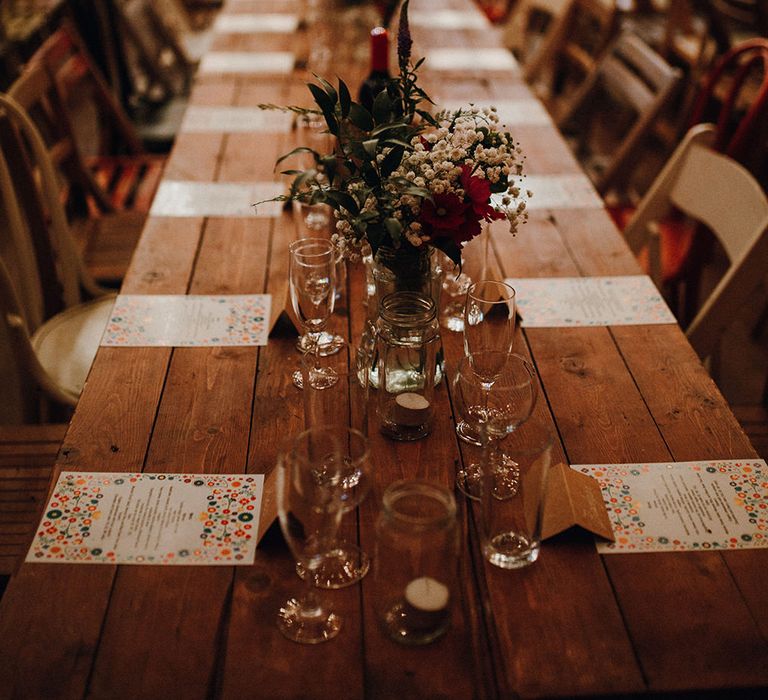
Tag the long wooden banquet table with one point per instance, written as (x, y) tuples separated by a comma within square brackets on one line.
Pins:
[(575, 623)]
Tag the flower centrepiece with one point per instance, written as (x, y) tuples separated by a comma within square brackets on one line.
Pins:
[(405, 178)]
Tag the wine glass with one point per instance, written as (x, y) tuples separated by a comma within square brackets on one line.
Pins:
[(310, 499), (312, 282), (493, 413), (344, 563), (489, 331)]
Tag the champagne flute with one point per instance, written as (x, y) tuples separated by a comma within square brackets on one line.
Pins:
[(310, 490), (489, 332), (312, 283), (493, 413)]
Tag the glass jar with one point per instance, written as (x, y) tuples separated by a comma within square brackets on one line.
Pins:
[(407, 344), (415, 563)]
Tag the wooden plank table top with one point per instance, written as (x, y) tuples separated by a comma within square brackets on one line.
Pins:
[(575, 623)]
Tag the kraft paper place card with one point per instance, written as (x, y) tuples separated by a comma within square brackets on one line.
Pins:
[(235, 120), (470, 59), (574, 498), (448, 19), (168, 519), (230, 199), (247, 62), (560, 302), (266, 23), (179, 320), (684, 506)]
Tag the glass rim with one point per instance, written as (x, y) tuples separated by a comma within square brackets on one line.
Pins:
[(325, 246), (343, 443), (403, 487), (498, 285)]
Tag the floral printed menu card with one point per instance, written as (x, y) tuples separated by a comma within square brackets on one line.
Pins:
[(556, 302), (114, 518), (178, 320), (684, 506)]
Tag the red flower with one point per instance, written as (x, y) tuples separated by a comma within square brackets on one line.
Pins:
[(478, 192), (443, 211)]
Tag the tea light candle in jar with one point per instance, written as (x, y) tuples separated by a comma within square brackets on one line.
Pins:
[(427, 594), (411, 409)]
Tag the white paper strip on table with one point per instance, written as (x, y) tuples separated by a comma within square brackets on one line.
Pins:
[(235, 120), (470, 60), (232, 199), (247, 23), (247, 62)]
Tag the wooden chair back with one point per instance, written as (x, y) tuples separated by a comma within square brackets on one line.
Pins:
[(634, 78), (160, 66), (107, 179), (65, 94), (529, 26), (572, 49), (715, 190)]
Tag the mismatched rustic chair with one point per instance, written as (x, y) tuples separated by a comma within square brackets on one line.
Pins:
[(52, 312), (715, 190), (571, 50), (614, 110), (108, 179)]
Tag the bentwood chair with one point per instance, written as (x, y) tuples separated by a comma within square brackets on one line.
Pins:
[(615, 109), (52, 312), (107, 178), (715, 190)]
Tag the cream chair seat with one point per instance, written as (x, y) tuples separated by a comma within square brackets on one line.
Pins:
[(66, 344)]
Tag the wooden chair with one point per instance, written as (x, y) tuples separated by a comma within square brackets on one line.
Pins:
[(715, 190), (571, 50), (160, 67), (53, 332), (27, 456), (529, 26), (622, 98), (108, 179)]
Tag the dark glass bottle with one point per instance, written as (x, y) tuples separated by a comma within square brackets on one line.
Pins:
[(379, 75)]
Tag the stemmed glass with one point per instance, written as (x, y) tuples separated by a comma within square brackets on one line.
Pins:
[(489, 332), (312, 283), (493, 413), (310, 500), (344, 563)]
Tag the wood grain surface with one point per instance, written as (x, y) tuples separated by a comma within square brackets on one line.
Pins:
[(575, 623)]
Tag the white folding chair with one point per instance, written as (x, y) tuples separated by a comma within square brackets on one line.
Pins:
[(715, 190)]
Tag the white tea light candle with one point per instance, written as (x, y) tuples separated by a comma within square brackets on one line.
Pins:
[(411, 409), (427, 594)]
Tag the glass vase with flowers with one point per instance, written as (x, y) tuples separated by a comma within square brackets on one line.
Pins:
[(404, 179)]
